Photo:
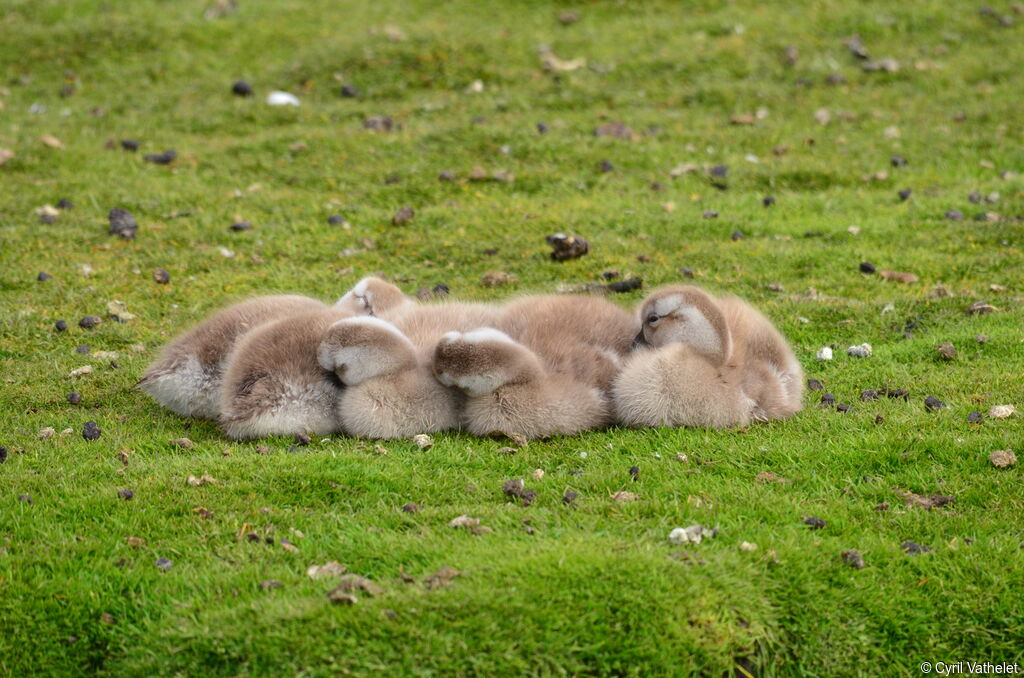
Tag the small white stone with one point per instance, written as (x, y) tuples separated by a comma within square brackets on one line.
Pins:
[(690, 535), (475, 87), (681, 457), (464, 521), (225, 252), (853, 230), (46, 433), (423, 441), (583, 455), (106, 355), (278, 98), (538, 473), (67, 432), (84, 369), (824, 353), (889, 308), (747, 546), (85, 269), (861, 351), (1001, 411)]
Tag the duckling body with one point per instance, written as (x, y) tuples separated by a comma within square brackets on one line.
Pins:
[(705, 361), (545, 367), (186, 378)]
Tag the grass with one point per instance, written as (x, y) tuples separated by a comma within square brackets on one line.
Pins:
[(595, 588)]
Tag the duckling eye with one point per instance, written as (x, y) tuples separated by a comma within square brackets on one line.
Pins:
[(653, 318)]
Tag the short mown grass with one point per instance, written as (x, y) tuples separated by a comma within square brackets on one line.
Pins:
[(588, 588)]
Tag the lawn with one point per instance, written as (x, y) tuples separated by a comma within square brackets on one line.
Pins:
[(496, 123)]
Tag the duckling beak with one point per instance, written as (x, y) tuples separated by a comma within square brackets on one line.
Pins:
[(639, 341)]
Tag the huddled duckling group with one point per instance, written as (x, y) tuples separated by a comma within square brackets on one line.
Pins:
[(378, 364)]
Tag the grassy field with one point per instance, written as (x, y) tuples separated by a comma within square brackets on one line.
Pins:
[(771, 91)]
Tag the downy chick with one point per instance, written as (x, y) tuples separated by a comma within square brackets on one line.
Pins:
[(386, 364), (273, 383), (186, 377), (545, 367), (703, 361)]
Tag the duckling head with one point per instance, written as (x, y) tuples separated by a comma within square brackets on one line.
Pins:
[(684, 314)]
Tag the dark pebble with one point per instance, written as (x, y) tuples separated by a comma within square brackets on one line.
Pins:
[(720, 171), (74, 397), (542, 128), (768, 201), (411, 507), (43, 276), (25, 498), (64, 204), (440, 290), (513, 487), (905, 194), (634, 473), (165, 158), (867, 267), (828, 400), (348, 91), (879, 419), (836, 79), (528, 497), (91, 431), (379, 122), (3, 454), (898, 161), (60, 325), (82, 348), (335, 220), (567, 246), (974, 197), (302, 439), (241, 89), (446, 175), (122, 223), (974, 417), (868, 394), (130, 144), (268, 584), (241, 226), (268, 540), (854, 559), (114, 365), (954, 215), (89, 322), (687, 272), (611, 274), (657, 186), (844, 408), (576, 472), (625, 285), (897, 393), (127, 495), (161, 276), (490, 251), (815, 523), (47, 219), (252, 536), (914, 548), (569, 497), (737, 235), (933, 403), (606, 166), (814, 385), (164, 563), (711, 214), (403, 216)]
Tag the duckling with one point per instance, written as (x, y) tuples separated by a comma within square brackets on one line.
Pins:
[(706, 362), (186, 377), (546, 366), (386, 364), (273, 379)]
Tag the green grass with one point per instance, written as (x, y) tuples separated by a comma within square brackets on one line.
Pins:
[(594, 589)]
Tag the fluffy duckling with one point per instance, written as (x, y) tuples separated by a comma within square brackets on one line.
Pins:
[(546, 366), (386, 363), (273, 381), (186, 377), (704, 361)]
